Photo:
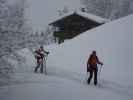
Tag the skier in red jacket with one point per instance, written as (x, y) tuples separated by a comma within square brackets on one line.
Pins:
[(40, 57), (92, 67)]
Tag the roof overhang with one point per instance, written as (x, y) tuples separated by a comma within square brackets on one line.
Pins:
[(85, 15)]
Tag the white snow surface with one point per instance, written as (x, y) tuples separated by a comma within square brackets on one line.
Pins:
[(66, 67)]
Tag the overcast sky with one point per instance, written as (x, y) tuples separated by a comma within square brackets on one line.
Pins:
[(41, 12)]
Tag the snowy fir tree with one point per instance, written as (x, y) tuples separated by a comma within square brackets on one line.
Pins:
[(111, 9)]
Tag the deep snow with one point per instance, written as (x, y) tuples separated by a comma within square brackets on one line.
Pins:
[(66, 67), (113, 43), (54, 88)]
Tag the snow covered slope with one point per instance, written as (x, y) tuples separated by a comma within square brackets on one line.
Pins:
[(54, 88), (113, 43)]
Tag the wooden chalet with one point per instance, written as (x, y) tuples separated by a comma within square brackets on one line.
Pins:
[(73, 24)]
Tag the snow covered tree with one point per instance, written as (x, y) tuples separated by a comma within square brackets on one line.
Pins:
[(111, 9), (12, 32), (98, 7), (121, 8), (12, 28), (43, 37), (49, 38), (63, 11)]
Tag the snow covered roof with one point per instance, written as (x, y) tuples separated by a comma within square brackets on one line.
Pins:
[(92, 17), (85, 15)]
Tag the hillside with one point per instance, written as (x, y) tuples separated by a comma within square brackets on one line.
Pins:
[(113, 43)]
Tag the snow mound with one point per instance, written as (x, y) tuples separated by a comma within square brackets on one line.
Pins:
[(113, 43)]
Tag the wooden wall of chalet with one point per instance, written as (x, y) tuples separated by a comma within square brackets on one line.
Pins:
[(72, 26)]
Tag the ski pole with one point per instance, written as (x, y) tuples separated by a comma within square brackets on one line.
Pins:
[(87, 73), (100, 73), (87, 76), (100, 69), (45, 64)]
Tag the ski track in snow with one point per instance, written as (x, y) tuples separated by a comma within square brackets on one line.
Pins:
[(117, 88), (103, 84), (27, 78)]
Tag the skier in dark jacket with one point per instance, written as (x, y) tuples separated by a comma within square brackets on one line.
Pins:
[(40, 57), (92, 67)]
